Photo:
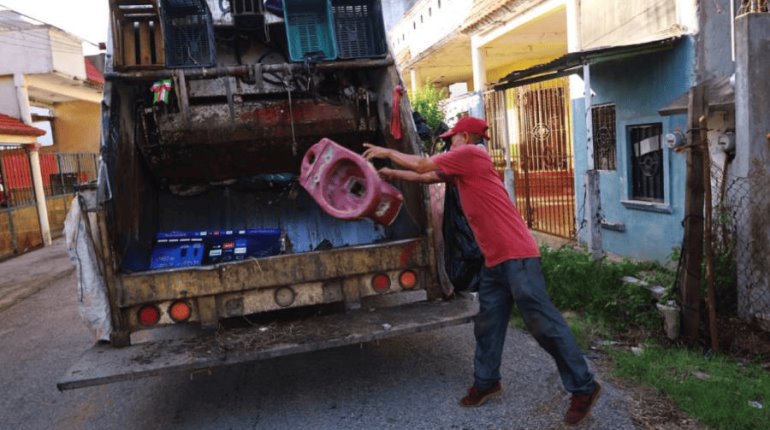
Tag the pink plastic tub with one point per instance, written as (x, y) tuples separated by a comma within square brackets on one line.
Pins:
[(346, 186)]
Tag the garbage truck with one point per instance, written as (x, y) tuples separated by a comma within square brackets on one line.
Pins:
[(197, 248)]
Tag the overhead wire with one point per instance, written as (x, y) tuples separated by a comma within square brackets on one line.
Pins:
[(36, 25), (43, 48), (31, 40)]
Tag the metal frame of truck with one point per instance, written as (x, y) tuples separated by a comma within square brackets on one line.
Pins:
[(340, 277)]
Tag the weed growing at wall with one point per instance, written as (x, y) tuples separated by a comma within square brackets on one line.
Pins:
[(594, 287)]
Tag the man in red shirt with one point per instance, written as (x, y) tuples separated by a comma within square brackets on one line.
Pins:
[(512, 271)]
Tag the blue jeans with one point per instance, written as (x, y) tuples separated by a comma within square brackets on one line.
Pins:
[(521, 281)]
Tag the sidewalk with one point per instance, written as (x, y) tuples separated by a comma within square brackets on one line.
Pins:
[(23, 276)]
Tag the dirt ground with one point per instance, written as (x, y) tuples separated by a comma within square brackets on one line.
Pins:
[(652, 410), (649, 409), (745, 342)]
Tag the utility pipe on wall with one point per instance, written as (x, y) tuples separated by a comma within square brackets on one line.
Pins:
[(593, 197)]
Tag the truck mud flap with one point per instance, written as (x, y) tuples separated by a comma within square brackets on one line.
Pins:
[(103, 364)]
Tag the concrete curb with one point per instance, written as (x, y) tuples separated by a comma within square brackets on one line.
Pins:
[(13, 293), (28, 273)]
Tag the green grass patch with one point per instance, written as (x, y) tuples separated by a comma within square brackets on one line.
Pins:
[(586, 329), (717, 391), (595, 301), (593, 287)]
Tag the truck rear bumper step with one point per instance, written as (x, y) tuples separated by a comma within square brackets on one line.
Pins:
[(104, 364)]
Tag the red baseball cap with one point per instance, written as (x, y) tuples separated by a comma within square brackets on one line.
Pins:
[(470, 125)]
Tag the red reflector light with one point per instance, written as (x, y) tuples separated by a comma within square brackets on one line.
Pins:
[(149, 315), (407, 279), (381, 283), (179, 311)]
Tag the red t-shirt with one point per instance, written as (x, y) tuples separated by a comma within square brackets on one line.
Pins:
[(497, 225)]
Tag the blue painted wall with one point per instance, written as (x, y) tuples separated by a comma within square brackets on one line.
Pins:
[(638, 87)]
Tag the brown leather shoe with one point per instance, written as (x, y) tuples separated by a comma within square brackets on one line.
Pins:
[(580, 405), (478, 397)]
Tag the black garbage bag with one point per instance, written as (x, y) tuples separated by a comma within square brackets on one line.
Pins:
[(441, 129), (462, 255), (422, 127)]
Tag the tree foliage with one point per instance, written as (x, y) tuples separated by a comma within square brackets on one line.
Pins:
[(426, 101)]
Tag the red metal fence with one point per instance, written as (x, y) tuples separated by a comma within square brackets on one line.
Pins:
[(533, 120), (19, 222)]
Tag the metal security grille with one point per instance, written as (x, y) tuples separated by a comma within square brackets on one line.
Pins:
[(646, 162), (16, 178), (496, 118), (533, 120), (605, 143), (752, 6), (740, 270)]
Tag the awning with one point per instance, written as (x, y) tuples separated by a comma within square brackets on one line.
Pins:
[(573, 62), (14, 132), (720, 94)]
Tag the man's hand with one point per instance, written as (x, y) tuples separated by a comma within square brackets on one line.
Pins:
[(388, 173), (414, 163), (374, 151)]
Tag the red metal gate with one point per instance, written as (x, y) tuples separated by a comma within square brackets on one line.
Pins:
[(19, 223), (533, 120)]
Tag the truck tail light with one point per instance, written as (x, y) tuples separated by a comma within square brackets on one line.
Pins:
[(285, 296), (149, 315), (381, 282), (179, 311), (407, 279)]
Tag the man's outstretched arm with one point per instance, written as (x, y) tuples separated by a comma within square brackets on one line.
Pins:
[(414, 163), (410, 176)]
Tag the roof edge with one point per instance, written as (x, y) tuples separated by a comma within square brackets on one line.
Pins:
[(493, 14), (11, 126), (572, 60)]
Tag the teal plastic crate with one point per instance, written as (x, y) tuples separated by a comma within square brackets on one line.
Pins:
[(310, 30)]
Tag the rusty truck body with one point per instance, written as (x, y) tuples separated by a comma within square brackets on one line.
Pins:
[(208, 108)]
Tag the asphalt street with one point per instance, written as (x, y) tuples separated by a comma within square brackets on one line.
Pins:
[(411, 382)]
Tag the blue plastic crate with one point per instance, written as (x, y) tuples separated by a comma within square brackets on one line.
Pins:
[(189, 33), (177, 249), (360, 30), (310, 30), (235, 245)]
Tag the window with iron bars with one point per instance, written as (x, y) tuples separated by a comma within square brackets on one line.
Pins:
[(646, 162), (603, 121)]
